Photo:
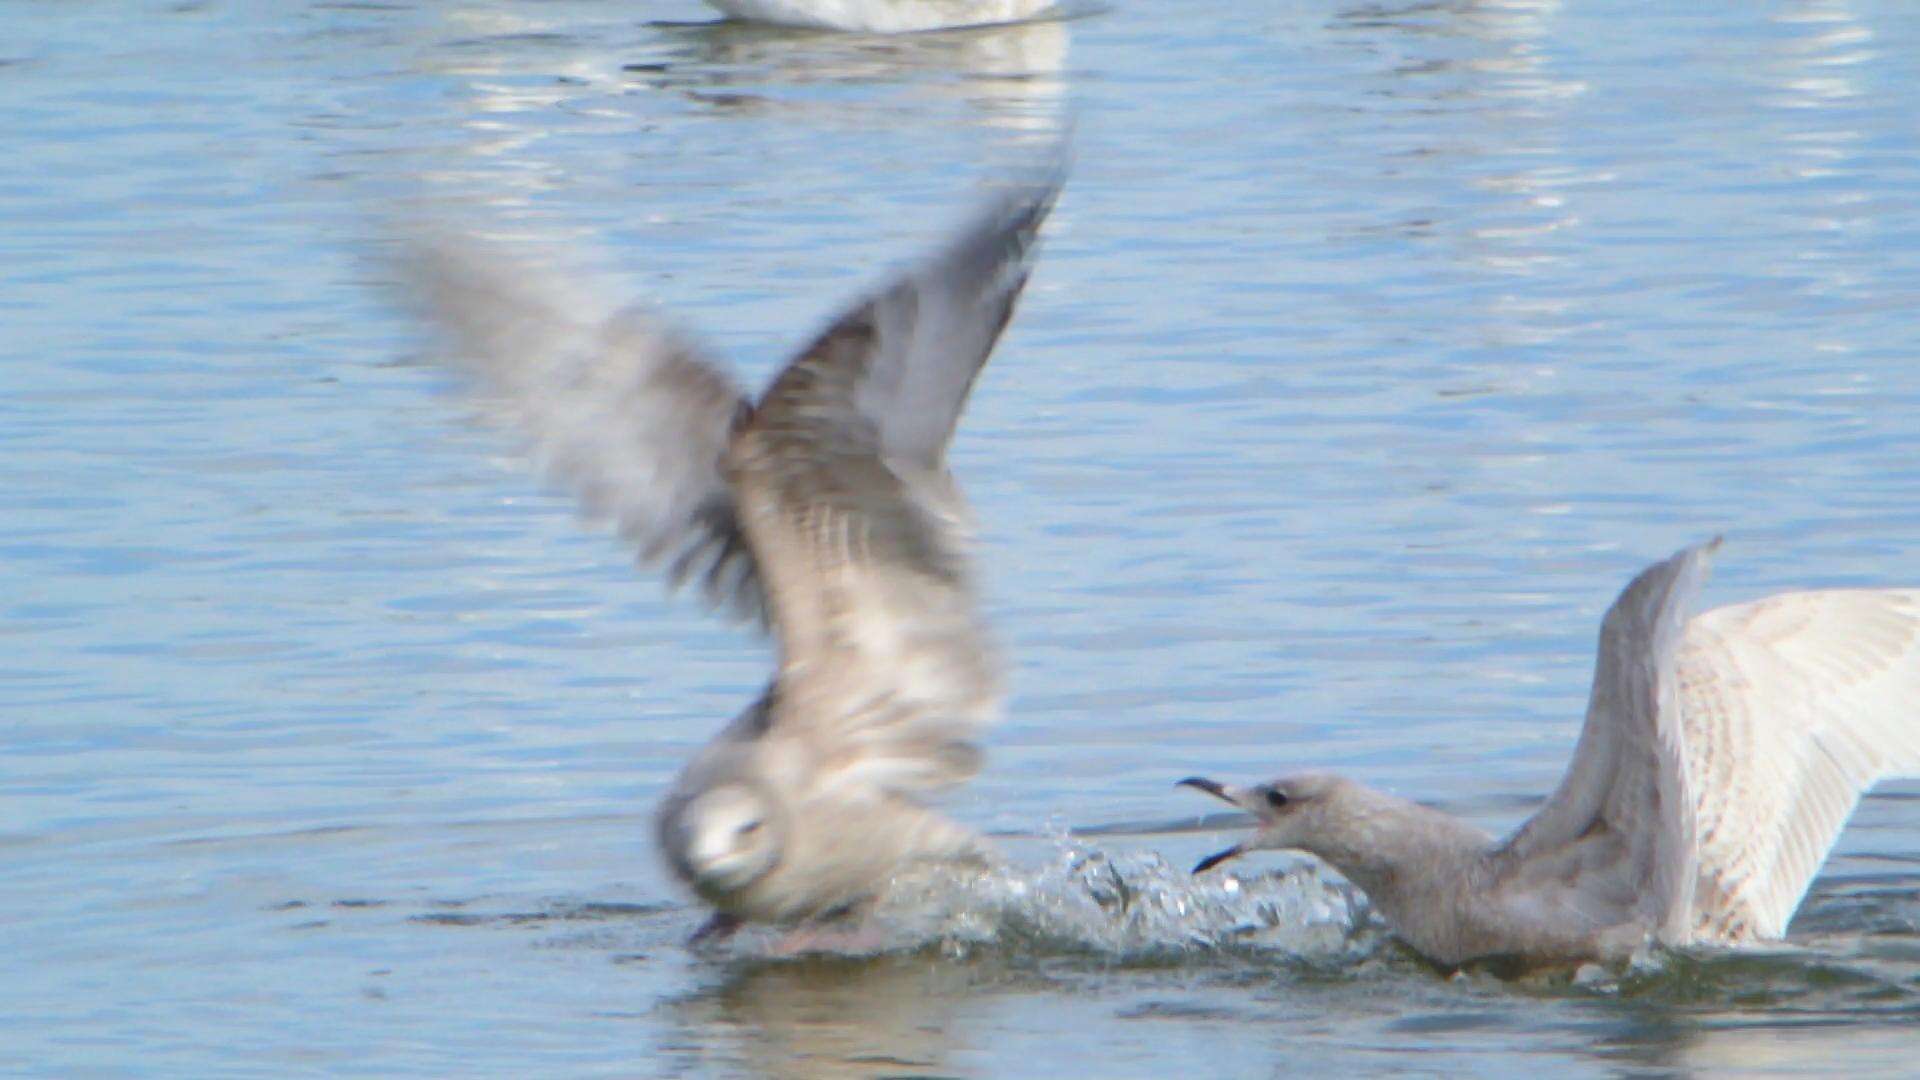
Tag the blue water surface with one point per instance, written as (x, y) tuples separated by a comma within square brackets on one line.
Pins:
[(1374, 346)]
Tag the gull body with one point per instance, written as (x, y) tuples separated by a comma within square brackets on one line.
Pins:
[(882, 16), (1720, 758), (824, 508)]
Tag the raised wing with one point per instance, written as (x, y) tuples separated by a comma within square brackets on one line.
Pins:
[(1614, 843), (887, 671), (905, 359), (631, 417), (1795, 705)]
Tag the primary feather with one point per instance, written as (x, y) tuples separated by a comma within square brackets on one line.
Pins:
[(628, 413), (1795, 706)]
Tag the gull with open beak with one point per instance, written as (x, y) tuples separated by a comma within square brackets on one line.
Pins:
[(1720, 759)]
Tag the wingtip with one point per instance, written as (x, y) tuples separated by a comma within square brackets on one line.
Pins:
[(1020, 214), (1028, 195), (1697, 559), (1657, 601)]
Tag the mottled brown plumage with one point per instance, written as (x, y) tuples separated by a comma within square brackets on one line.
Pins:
[(825, 506)]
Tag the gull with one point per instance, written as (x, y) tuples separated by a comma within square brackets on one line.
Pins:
[(882, 16), (825, 507), (1719, 761)]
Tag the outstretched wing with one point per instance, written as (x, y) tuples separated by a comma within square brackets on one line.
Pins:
[(887, 671), (1795, 705), (630, 416), (1615, 842), (901, 363)]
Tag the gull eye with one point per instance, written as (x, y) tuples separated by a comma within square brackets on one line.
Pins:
[(1276, 798), (748, 829)]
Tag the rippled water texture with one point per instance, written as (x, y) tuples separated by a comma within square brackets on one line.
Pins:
[(1373, 348)]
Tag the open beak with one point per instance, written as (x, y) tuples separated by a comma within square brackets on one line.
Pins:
[(1226, 795)]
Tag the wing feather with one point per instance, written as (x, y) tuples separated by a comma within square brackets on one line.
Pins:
[(629, 415), (887, 670), (1620, 826), (1796, 704)]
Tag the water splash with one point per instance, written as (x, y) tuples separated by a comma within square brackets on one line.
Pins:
[(1122, 906)]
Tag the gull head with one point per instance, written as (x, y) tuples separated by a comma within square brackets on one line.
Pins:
[(1290, 812), (724, 838)]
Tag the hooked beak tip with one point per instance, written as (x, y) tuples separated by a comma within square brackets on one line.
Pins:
[(1211, 787)]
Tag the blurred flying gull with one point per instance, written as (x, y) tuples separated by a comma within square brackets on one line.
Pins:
[(825, 508), (1719, 761), (882, 16)]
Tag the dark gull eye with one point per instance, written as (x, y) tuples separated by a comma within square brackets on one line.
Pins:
[(748, 829), (1276, 798)]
